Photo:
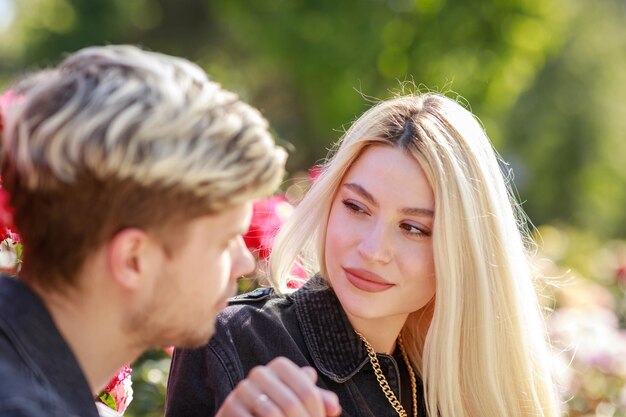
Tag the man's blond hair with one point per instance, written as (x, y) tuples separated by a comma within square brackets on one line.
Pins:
[(117, 137)]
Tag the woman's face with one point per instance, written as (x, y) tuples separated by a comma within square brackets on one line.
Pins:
[(379, 252)]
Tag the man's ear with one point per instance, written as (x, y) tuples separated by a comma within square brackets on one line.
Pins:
[(130, 256)]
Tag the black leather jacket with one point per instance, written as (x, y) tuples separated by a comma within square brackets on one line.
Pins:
[(310, 328), (39, 374)]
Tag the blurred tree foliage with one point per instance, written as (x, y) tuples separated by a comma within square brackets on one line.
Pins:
[(569, 128), (545, 76)]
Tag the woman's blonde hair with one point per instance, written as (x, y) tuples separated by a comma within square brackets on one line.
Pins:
[(481, 347)]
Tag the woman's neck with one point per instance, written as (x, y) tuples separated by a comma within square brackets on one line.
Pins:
[(381, 333)]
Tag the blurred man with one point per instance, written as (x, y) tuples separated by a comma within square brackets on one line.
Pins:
[(131, 175)]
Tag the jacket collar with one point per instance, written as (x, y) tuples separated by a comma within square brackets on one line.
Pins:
[(337, 351), (28, 324)]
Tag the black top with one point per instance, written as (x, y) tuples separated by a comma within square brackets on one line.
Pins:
[(310, 328), (39, 374)]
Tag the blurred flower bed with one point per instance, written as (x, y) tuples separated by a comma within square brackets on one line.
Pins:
[(587, 324)]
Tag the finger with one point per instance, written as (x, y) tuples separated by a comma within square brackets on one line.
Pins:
[(255, 401), (302, 382), (331, 403), (330, 399), (280, 391), (263, 406), (311, 373), (232, 407)]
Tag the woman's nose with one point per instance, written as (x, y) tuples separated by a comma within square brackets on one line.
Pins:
[(376, 244)]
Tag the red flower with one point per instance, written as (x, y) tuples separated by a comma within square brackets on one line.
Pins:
[(6, 213), (6, 100), (119, 392), (267, 218), (119, 377)]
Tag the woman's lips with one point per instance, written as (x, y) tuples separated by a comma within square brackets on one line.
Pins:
[(366, 281)]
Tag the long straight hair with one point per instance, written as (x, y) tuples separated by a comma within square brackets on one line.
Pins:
[(480, 345)]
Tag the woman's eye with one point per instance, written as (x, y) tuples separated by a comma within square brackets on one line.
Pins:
[(413, 230), (353, 206)]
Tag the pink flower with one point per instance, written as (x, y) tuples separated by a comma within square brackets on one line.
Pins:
[(10, 234), (267, 218), (119, 391), (299, 277), (620, 275), (315, 172), (6, 100)]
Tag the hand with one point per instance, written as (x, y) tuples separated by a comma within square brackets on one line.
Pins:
[(280, 389)]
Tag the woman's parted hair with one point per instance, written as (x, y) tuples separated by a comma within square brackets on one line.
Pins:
[(481, 346), (118, 137)]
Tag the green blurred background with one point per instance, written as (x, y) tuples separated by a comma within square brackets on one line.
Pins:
[(546, 77)]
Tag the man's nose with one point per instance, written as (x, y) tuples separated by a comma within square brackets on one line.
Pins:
[(243, 261)]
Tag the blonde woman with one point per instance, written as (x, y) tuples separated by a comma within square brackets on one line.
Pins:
[(421, 301)]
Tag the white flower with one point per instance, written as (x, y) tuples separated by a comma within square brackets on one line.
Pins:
[(106, 411)]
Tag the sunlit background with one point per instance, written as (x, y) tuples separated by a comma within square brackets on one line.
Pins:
[(547, 78)]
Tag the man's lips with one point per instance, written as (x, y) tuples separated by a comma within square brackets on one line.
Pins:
[(365, 280)]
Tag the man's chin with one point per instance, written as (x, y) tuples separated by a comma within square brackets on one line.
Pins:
[(197, 340), (222, 305)]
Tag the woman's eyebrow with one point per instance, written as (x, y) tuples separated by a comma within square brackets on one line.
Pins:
[(415, 211), (362, 192)]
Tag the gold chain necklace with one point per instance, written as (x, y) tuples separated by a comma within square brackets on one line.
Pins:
[(382, 381)]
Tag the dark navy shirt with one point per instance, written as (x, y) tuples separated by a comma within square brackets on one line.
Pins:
[(308, 327), (39, 374)]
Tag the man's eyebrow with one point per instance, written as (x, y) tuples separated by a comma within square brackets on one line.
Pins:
[(409, 211)]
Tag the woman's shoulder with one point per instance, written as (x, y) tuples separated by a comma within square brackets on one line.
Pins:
[(261, 308), (259, 295), (265, 316), (257, 327)]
